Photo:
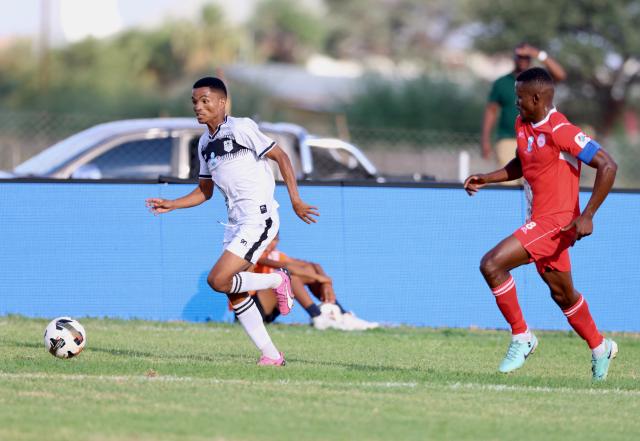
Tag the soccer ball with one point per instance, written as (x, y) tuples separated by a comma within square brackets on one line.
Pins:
[(64, 337)]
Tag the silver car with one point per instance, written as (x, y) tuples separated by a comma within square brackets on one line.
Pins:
[(166, 149)]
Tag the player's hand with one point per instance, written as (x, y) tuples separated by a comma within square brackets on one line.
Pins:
[(583, 226), (323, 279), (304, 211), (527, 51), (158, 206), (474, 183)]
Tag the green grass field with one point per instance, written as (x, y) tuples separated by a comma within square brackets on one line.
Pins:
[(180, 381)]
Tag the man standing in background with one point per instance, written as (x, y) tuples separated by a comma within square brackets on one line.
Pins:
[(503, 98)]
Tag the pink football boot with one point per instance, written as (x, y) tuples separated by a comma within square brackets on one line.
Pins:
[(266, 361), (284, 293)]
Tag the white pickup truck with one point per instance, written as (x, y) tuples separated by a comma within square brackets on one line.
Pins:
[(165, 149)]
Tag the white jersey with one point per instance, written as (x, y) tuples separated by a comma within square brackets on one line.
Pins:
[(234, 157)]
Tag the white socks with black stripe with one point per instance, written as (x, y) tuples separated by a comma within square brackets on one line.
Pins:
[(246, 281), (251, 320)]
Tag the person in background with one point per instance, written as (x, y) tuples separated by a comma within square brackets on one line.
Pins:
[(328, 315), (501, 106)]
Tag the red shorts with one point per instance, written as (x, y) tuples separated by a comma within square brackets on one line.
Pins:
[(546, 244)]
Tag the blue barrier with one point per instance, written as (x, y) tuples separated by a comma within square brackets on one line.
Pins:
[(397, 255)]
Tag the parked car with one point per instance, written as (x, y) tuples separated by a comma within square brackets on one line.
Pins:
[(166, 149)]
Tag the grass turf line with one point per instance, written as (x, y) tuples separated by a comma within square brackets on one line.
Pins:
[(179, 381)]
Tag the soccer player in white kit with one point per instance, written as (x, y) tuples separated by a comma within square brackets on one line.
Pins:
[(233, 154)]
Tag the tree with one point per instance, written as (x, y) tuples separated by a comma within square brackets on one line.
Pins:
[(418, 104), (284, 32), (139, 72), (597, 42), (391, 28)]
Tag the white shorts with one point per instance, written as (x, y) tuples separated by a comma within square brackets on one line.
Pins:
[(250, 240)]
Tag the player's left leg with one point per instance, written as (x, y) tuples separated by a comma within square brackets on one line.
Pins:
[(267, 304), (575, 308), (221, 278)]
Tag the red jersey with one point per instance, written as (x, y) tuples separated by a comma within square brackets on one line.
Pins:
[(549, 151)]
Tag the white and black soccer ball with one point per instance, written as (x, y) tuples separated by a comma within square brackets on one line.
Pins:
[(64, 337)]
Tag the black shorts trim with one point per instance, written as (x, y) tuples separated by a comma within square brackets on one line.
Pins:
[(256, 245)]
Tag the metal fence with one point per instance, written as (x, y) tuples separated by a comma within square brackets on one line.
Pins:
[(443, 156), (24, 134)]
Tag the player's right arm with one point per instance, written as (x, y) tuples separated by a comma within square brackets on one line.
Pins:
[(489, 120), (510, 172), (201, 193)]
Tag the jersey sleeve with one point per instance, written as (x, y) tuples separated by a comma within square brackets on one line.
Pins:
[(204, 169), (249, 135), (571, 139)]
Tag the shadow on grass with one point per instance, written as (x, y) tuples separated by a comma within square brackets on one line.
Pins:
[(116, 352)]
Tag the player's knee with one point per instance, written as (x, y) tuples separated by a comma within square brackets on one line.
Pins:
[(219, 283), (562, 298), (488, 265)]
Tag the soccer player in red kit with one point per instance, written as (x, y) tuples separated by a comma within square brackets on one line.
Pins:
[(548, 155)]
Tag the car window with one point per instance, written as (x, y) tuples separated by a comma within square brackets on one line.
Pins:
[(337, 164), (139, 159)]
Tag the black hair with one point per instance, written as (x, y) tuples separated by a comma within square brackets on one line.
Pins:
[(212, 83), (536, 75)]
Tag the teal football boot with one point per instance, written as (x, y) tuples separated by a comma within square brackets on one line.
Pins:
[(517, 354), (600, 366)]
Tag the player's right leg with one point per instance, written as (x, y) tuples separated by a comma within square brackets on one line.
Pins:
[(495, 267), (248, 242)]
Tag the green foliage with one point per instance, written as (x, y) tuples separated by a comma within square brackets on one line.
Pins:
[(285, 32), (392, 28), (183, 381), (421, 103), (592, 39), (135, 73)]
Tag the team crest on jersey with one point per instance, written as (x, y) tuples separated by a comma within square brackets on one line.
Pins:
[(529, 143), (228, 145), (541, 140), (582, 140), (521, 135)]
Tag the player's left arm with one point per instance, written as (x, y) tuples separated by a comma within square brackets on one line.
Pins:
[(304, 211), (606, 169)]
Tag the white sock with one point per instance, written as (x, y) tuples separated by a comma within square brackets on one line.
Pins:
[(251, 320), (524, 337), (599, 350), (246, 281)]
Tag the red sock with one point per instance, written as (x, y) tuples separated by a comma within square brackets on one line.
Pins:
[(507, 301), (581, 321)]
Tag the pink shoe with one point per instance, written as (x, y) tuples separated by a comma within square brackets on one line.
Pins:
[(283, 292), (266, 361)]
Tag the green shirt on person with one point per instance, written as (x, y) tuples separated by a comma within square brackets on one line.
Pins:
[(503, 92)]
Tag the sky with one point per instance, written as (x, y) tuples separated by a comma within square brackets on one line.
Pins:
[(72, 20)]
